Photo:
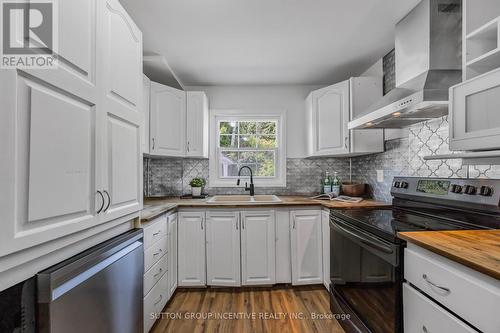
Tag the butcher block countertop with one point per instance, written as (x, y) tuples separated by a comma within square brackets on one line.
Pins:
[(155, 207), (477, 249)]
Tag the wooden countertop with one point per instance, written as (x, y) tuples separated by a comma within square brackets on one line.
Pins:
[(155, 207), (477, 249)]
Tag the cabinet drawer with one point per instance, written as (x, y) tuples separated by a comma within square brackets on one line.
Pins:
[(154, 253), (471, 295), (154, 302), (155, 231), (423, 315), (154, 274)]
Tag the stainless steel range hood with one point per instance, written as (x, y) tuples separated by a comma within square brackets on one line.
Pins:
[(428, 62)]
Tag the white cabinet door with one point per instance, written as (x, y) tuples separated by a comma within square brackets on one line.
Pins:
[(172, 253), (50, 148), (283, 254), (191, 249), (146, 89), (325, 230), (474, 114), (197, 124), (121, 67), (307, 262), (329, 119), (258, 244), (168, 121), (223, 249)]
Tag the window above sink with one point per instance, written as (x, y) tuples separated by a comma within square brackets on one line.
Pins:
[(247, 139)]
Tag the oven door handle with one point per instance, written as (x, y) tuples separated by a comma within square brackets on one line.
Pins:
[(363, 240)]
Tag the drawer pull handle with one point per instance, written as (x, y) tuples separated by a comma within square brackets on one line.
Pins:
[(157, 233), (159, 299), (424, 276), (157, 253), (159, 272), (424, 329)]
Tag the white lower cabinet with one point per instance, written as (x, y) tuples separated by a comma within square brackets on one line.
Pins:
[(325, 230), (154, 302), (172, 225), (223, 248), (423, 315), (191, 247), (307, 249), (283, 247), (252, 247), (258, 248), (156, 267), (470, 295)]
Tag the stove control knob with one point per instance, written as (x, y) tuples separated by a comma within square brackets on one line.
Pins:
[(486, 191), (456, 189), (403, 185), (397, 184), (469, 189)]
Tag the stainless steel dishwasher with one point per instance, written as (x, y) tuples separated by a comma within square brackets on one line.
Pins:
[(99, 290)]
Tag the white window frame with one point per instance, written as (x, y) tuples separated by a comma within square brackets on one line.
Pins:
[(279, 180)]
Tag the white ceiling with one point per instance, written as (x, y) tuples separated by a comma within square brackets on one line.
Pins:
[(256, 42)]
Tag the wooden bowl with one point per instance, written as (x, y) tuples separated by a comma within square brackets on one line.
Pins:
[(353, 189)]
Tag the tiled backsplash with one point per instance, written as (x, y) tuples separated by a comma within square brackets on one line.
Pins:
[(171, 176), (404, 157)]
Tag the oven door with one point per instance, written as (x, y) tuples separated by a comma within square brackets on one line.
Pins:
[(365, 279)]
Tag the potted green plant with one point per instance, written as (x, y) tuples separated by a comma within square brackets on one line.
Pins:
[(196, 186)]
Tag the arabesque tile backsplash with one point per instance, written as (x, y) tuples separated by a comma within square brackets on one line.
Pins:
[(171, 176)]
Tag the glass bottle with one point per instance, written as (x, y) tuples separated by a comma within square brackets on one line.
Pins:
[(336, 184), (327, 183)]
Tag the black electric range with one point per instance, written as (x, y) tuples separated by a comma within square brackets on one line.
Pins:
[(366, 265)]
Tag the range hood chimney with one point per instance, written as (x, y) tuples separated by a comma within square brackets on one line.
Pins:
[(428, 59)]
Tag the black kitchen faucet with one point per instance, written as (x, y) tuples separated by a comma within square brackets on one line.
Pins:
[(247, 188)]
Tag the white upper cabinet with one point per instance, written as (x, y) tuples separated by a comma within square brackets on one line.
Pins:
[(329, 111), (223, 248), (191, 246), (474, 115), (50, 143), (168, 121), (178, 122), (306, 244), (197, 124), (70, 135), (146, 92), (122, 101), (258, 248)]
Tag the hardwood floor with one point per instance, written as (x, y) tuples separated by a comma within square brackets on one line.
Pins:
[(278, 309)]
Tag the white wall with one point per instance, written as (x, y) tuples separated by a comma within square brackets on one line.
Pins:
[(376, 69), (254, 98)]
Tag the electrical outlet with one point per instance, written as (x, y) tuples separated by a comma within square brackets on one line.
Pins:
[(380, 176)]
